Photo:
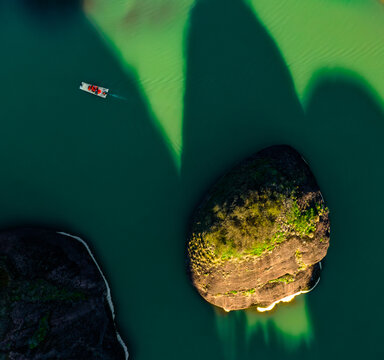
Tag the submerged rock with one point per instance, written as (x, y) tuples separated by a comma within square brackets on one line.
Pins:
[(259, 235), (54, 300)]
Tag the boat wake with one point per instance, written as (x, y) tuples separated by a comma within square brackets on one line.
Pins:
[(118, 97)]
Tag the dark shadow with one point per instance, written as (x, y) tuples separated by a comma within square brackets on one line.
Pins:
[(349, 125), (238, 89), (47, 8), (239, 99), (93, 168), (100, 170)]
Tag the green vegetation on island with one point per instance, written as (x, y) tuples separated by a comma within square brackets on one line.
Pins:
[(263, 226), (41, 332), (54, 300), (251, 220)]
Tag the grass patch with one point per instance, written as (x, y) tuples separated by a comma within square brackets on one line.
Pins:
[(250, 291), (40, 334), (250, 228), (286, 279), (299, 260), (302, 221), (252, 210), (43, 291), (240, 292), (259, 225)]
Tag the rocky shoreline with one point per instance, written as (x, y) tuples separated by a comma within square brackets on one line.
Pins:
[(288, 298), (55, 300)]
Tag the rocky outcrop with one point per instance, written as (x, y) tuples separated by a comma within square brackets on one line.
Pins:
[(259, 235), (54, 300)]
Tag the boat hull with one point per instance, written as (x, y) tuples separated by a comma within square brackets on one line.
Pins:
[(104, 91)]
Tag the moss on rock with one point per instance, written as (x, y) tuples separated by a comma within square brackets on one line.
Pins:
[(251, 211)]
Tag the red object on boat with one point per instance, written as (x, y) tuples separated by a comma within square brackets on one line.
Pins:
[(93, 89)]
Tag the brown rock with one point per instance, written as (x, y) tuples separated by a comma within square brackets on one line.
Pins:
[(260, 233)]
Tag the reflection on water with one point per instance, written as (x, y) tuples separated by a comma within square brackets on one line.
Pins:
[(289, 325), (292, 323)]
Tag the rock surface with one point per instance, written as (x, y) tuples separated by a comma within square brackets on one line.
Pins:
[(54, 301), (260, 234)]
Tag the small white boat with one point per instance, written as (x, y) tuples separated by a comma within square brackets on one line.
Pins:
[(94, 89)]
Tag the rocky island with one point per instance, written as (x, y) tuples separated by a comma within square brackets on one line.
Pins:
[(259, 235), (54, 300)]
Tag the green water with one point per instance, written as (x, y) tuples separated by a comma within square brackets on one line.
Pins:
[(206, 84)]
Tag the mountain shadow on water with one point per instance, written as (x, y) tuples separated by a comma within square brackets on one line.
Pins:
[(50, 7), (92, 167), (345, 113), (240, 98), (238, 89), (118, 185), (102, 170)]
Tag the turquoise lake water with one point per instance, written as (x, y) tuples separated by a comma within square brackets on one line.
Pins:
[(202, 85)]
